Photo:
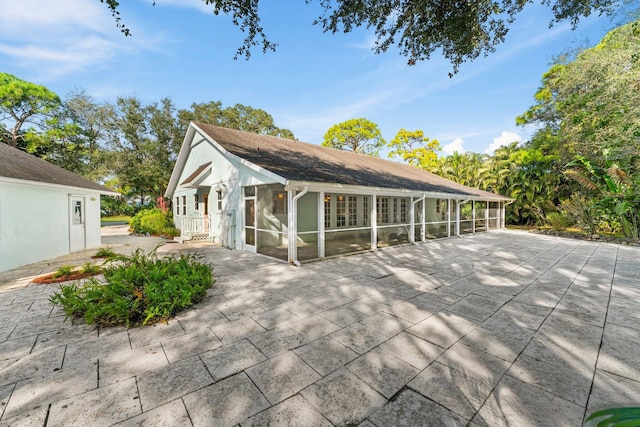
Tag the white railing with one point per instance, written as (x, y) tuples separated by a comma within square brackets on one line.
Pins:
[(190, 226)]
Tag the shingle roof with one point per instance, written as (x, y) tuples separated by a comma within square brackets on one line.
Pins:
[(17, 164), (300, 161)]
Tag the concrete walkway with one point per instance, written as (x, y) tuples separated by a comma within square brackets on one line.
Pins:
[(499, 328)]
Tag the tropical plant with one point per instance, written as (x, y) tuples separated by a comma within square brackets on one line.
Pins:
[(139, 289), (558, 221), (104, 253), (63, 271), (615, 191)]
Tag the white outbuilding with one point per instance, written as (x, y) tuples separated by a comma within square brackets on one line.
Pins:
[(298, 202), (45, 211)]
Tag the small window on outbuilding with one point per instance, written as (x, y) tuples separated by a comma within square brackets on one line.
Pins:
[(184, 205), (177, 205), (219, 193), (196, 201)]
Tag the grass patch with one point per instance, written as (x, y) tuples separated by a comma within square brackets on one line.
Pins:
[(117, 218), (140, 289)]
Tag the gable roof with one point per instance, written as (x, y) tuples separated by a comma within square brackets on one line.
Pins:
[(196, 173), (16, 164), (300, 161)]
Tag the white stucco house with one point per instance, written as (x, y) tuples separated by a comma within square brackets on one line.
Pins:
[(45, 211), (297, 201)]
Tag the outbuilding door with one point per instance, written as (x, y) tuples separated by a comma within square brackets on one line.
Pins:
[(76, 224)]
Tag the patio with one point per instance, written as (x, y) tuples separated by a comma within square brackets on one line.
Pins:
[(492, 329)]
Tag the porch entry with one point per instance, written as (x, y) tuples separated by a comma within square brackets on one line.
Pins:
[(77, 229), (250, 219)]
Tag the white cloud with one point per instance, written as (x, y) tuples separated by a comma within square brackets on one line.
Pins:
[(505, 138), (456, 145), (63, 36)]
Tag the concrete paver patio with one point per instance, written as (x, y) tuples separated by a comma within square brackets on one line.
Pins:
[(494, 329)]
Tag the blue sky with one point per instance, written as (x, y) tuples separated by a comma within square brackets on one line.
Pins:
[(179, 49)]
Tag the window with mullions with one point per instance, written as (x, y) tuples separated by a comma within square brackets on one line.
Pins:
[(196, 201), (341, 211), (327, 211), (383, 210), (219, 196), (366, 213), (184, 205), (403, 211), (353, 211), (177, 205)]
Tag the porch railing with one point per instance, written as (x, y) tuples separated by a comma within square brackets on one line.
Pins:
[(190, 226)]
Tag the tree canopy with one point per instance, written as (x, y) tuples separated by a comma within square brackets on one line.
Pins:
[(357, 135), (462, 30), (21, 101), (591, 105), (415, 148)]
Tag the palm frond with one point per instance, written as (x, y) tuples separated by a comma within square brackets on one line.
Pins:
[(580, 179)]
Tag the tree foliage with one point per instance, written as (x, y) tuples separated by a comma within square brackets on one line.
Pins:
[(414, 148), (128, 145), (240, 117), (357, 135), (592, 104), (462, 30), (20, 102)]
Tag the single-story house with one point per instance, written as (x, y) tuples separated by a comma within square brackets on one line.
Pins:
[(297, 201), (45, 211)]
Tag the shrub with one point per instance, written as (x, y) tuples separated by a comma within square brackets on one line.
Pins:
[(63, 271), (104, 253), (89, 268), (558, 221), (139, 289), (153, 221)]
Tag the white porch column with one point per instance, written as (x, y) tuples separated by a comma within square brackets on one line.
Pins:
[(473, 216), (448, 217), (412, 230), (502, 216), (291, 232), (424, 218), (457, 217), (374, 222), (321, 240)]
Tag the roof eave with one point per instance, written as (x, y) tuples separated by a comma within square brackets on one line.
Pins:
[(60, 186)]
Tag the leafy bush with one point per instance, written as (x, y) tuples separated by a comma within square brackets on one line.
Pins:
[(558, 221), (153, 221), (139, 289), (584, 213)]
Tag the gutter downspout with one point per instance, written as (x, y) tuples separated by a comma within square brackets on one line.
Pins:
[(458, 204), (413, 218), (294, 216)]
